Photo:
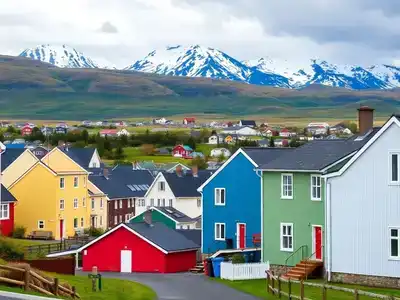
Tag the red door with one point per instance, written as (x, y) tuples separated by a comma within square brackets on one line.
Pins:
[(242, 236), (318, 242), (61, 229)]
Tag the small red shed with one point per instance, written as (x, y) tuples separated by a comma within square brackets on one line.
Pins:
[(188, 121), (26, 130), (139, 247), (6, 212), (182, 151)]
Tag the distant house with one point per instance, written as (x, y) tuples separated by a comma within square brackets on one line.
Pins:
[(196, 154), (40, 151), (26, 130), (161, 121), (163, 151), (47, 130), (317, 130), (183, 151), (171, 167), (281, 142), (7, 204), (120, 123), (114, 132), (263, 143), (60, 130), (250, 123), (213, 140), (188, 121), (63, 125), (286, 133), (220, 151), (241, 130)]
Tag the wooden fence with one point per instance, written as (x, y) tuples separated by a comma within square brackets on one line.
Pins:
[(47, 248), (61, 265), (26, 283), (274, 286), (232, 271)]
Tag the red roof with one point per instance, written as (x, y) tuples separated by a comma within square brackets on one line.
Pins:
[(190, 119), (109, 131), (284, 130)]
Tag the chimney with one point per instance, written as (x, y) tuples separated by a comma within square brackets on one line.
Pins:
[(179, 170), (365, 119), (105, 173), (147, 217), (195, 170)]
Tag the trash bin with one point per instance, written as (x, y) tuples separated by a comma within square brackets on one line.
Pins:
[(216, 262), (210, 267), (246, 257), (205, 265)]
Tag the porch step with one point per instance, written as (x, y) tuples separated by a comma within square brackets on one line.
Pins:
[(199, 268), (303, 269)]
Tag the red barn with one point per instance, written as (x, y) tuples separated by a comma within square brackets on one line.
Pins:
[(6, 212), (182, 151), (26, 130), (139, 247), (188, 121)]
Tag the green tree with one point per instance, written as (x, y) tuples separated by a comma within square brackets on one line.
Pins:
[(124, 140), (191, 143), (11, 129), (1, 137), (85, 136), (200, 162), (294, 143), (353, 127), (100, 146), (221, 158), (271, 142), (119, 153)]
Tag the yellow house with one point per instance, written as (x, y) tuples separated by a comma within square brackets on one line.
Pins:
[(53, 196), (98, 207), (17, 167)]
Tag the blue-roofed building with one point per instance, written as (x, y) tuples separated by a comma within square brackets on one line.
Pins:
[(231, 201), (87, 158)]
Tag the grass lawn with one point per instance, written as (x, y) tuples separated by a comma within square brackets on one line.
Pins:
[(22, 243), (258, 288), (134, 153)]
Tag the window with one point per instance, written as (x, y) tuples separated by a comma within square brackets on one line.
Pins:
[(75, 203), (394, 242), (151, 202), (143, 202), (120, 203), (75, 223), (126, 217), (84, 181), (101, 203), (101, 220), (120, 218), (83, 202), (170, 203), (287, 186), (286, 237), (198, 202), (115, 220), (92, 204), (394, 168), (158, 202), (163, 202), (62, 204), (76, 181), (116, 204), (4, 212), (161, 186), (82, 223), (219, 196), (40, 224), (220, 231), (62, 182), (129, 203), (315, 187)]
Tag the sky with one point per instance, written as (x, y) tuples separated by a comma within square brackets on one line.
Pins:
[(119, 32)]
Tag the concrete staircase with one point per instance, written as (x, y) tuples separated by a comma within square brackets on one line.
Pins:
[(303, 269), (199, 268)]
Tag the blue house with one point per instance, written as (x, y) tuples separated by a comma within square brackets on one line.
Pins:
[(231, 198)]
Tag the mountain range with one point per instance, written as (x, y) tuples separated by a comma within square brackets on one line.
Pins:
[(198, 61)]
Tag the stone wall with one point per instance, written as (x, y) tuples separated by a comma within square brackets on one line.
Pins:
[(279, 270), (378, 281)]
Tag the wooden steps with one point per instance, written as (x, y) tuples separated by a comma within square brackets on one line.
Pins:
[(199, 268), (303, 269)]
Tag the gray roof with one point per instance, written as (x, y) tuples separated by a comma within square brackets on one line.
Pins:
[(6, 196), (186, 185), (264, 155), (191, 234), (9, 156), (163, 236), (81, 156), (248, 122), (318, 154), (123, 182), (175, 214)]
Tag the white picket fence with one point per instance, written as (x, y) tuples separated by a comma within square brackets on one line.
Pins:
[(232, 271)]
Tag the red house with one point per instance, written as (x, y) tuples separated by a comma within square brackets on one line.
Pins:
[(6, 212), (26, 130), (188, 121), (139, 247), (182, 151)]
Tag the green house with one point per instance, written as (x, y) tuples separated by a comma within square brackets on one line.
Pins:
[(170, 216)]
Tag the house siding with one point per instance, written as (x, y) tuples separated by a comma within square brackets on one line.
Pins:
[(363, 206), (156, 217), (242, 188), (125, 210), (301, 211), (15, 170), (7, 226), (188, 206)]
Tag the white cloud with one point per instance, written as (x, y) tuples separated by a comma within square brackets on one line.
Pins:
[(360, 31)]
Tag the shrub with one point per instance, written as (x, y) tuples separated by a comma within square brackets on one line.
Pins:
[(95, 232), (9, 251), (19, 232), (238, 259)]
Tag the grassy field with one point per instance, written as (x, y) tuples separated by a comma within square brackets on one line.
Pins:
[(258, 288)]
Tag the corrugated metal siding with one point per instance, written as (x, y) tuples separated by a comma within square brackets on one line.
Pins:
[(364, 205)]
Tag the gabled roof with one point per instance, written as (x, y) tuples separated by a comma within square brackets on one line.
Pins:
[(236, 128), (248, 122), (174, 214), (173, 165), (186, 185), (191, 234), (9, 156), (6, 196), (317, 154), (82, 156)]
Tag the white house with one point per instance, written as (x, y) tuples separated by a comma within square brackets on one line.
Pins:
[(363, 211), (213, 140), (220, 151), (241, 130), (177, 190)]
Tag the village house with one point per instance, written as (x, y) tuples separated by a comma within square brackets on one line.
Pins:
[(7, 205), (241, 130), (189, 121), (26, 130), (114, 132), (250, 123), (183, 151), (217, 152)]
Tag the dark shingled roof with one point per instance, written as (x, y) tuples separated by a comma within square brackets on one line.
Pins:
[(118, 182), (248, 123), (175, 214), (191, 234), (163, 236), (81, 156), (318, 154), (6, 196), (264, 155), (186, 185), (9, 156)]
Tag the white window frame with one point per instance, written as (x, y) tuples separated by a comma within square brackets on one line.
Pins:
[(115, 220), (127, 217), (101, 203), (391, 153), (43, 222), (158, 202), (101, 221), (286, 197), (163, 202), (82, 222), (76, 203), (121, 218), (198, 202), (4, 211), (390, 243), (120, 204), (161, 186), (77, 223), (217, 196), (170, 202), (83, 202), (129, 203), (217, 232), (317, 177), (76, 182), (152, 202), (115, 204), (62, 183), (62, 201), (281, 237), (92, 204)]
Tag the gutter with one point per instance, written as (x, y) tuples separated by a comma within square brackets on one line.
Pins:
[(259, 173), (328, 221)]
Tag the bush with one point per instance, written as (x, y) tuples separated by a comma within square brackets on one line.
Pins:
[(238, 259), (95, 232), (9, 251), (19, 232)]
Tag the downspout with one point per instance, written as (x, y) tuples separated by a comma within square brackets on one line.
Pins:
[(202, 231), (259, 174), (328, 228)]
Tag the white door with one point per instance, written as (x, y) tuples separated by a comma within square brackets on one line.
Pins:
[(126, 261)]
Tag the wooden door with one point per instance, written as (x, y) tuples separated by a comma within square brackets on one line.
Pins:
[(61, 229), (241, 235), (126, 261), (318, 242)]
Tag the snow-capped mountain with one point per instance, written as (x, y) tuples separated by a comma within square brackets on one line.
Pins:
[(60, 56)]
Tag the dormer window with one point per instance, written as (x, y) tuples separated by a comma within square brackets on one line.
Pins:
[(394, 167)]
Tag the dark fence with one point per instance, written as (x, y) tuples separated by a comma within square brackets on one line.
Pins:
[(48, 248), (65, 265)]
